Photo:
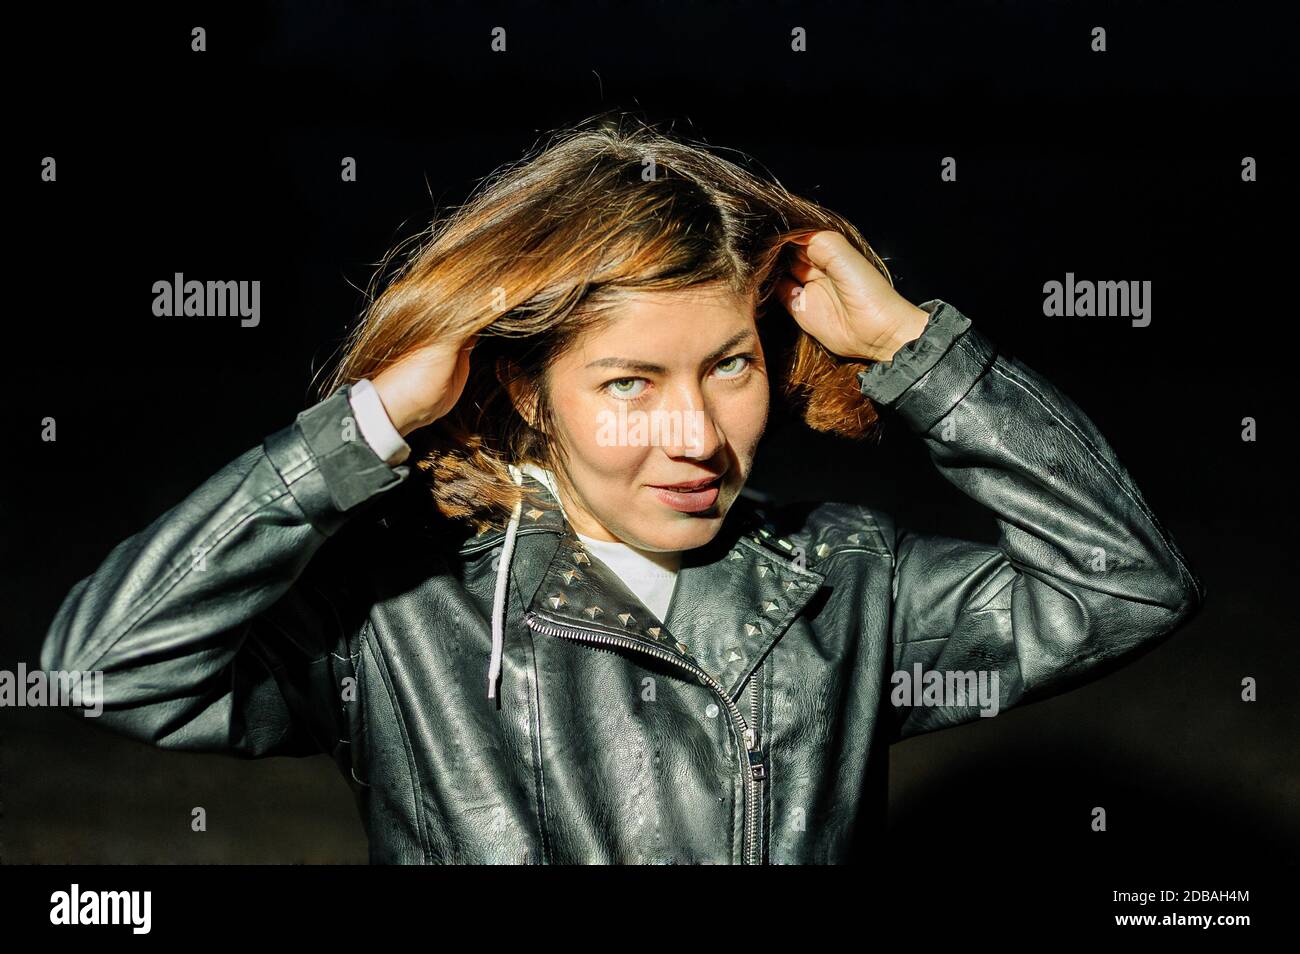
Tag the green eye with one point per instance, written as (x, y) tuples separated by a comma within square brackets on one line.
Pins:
[(733, 366), (625, 387)]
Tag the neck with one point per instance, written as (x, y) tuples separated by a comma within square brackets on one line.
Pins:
[(667, 559)]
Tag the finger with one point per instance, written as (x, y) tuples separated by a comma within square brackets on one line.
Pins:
[(828, 250), (803, 239), (804, 271), (785, 289), (791, 295)]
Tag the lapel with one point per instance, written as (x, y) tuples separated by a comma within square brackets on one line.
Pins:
[(733, 598)]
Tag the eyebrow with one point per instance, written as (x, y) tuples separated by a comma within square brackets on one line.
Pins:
[(649, 368)]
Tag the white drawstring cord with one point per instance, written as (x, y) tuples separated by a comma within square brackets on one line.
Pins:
[(499, 598)]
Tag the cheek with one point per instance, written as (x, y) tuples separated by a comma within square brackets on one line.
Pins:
[(591, 439), (747, 418)]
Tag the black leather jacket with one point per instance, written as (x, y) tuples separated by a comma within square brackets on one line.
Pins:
[(305, 599)]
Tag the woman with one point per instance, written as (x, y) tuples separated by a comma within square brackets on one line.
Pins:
[(583, 358)]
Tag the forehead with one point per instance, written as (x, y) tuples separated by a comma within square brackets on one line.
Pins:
[(684, 322)]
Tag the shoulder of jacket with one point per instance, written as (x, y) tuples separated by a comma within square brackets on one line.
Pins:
[(817, 531)]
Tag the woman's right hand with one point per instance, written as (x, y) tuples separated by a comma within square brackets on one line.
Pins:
[(424, 384)]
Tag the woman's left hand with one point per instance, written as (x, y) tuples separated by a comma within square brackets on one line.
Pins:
[(842, 300)]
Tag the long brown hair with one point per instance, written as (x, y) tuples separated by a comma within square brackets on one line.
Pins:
[(544, 248)]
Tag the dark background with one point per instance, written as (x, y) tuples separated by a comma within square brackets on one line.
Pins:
[(1122, 165)]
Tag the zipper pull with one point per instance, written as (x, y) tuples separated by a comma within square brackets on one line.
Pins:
[(756, 768)]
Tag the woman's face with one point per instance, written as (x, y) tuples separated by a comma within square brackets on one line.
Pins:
[(672, 389)]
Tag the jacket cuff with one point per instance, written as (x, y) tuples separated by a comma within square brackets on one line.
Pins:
[(326, 462), (376, 426), (930, 373)]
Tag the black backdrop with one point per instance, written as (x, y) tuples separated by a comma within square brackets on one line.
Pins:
[(1123, 165)]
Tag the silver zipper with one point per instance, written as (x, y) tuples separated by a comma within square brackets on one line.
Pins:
[(757, 769), (751, 757)]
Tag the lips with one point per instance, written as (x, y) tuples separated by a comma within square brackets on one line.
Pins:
[(691, 496), (690, 485)]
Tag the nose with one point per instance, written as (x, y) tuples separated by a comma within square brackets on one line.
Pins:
[(692, 431)]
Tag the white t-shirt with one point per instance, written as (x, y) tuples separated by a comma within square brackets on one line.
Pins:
[(651, 578)]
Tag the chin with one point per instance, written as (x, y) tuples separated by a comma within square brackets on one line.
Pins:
[(686, 532), (695, 533)]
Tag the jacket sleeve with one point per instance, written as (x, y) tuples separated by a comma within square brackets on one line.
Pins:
[(213, 628), (1083, 575)]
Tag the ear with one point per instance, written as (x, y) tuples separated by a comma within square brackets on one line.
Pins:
[(516, 386)]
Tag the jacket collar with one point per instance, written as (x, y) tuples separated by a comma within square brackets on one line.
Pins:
[(733, 598)]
